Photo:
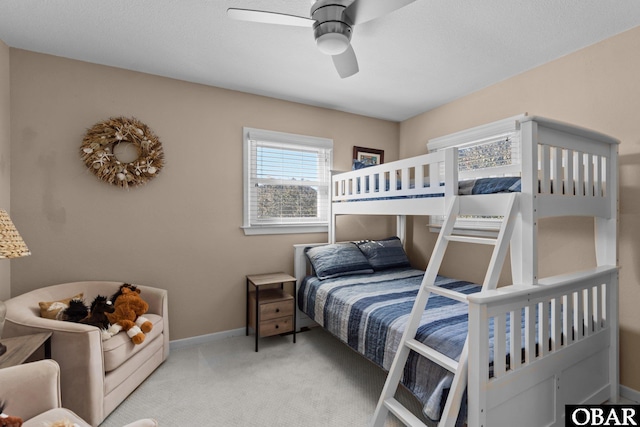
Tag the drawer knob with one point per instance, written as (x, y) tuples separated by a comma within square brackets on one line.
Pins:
[(277, 326), (277, 310)]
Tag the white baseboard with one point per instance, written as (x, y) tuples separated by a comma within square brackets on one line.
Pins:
[(629, 393), (203, 339)]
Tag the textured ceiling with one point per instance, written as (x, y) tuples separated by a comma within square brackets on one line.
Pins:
[(412, 60)]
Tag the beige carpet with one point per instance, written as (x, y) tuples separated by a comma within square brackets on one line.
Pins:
[(317, 382)]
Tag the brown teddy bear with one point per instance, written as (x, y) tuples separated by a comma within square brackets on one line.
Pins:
[(127, 316)]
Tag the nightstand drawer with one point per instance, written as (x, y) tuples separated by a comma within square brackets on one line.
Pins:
[(276, 326), (273, 310)]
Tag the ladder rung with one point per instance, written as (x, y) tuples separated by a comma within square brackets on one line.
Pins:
[(431, 354), (458, 296), (403, 413), (471, 239)]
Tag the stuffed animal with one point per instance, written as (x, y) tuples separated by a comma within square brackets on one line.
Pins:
[(129, 308), (8, 420), (75, 311), (98, 315)]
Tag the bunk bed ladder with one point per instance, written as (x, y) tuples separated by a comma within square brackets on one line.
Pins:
[(387, 402)]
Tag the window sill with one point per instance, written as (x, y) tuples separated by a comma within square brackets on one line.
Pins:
[(284, 229)]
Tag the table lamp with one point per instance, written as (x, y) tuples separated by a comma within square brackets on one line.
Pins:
[(11, 246)]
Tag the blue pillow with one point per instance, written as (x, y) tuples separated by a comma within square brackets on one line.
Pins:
[(357, 164), (384, 254), (338, 259)]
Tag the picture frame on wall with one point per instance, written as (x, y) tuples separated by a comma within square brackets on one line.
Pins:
[(368, 156)]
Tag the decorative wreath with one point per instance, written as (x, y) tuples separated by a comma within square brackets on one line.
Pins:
[(98, 145)]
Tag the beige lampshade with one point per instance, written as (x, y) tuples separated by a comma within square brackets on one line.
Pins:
[(11, 243)]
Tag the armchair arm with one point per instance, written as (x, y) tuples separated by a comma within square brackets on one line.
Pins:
[(31, 389), (78, 350), (158, 301)]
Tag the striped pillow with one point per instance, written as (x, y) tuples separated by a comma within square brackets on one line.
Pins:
[(384, 254), (338, 259)]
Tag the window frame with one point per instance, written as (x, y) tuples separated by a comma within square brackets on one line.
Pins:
[(253, 134)]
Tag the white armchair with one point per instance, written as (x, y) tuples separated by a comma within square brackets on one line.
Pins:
[(96, 376), (32, 392)]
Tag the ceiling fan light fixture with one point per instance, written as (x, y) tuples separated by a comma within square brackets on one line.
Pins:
[(332, 43)]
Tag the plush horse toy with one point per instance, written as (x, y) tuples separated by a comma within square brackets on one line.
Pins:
[(95, 315), (100, 307), (129, 308), (8, 420), (75, 311)]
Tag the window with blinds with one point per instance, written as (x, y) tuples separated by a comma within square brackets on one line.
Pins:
[(495, 156), (287, 180)]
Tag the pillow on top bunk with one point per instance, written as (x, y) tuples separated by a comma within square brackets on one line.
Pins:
[(339, 259), (384, 254), (358, 164)]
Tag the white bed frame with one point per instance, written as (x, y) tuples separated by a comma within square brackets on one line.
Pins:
[(580, 365)]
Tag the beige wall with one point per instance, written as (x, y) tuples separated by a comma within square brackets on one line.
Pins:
[(599, 88), (5, 145), (182, 230)]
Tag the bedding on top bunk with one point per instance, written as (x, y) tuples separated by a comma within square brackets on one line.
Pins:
[(506, 184)]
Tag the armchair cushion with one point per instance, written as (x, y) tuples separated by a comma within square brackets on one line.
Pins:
[(119, 348), (53, 415)]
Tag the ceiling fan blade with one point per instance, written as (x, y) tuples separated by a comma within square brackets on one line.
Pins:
[(365, 10), (346, 63), (269, 17)]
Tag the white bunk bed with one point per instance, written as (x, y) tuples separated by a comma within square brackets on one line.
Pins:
[(565, 171)]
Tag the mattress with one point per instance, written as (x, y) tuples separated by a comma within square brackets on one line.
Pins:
[(368, 312)]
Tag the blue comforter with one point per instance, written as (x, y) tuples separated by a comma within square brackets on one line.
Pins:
[(369, 313)]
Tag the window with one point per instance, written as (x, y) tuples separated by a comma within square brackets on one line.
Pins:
[(286, 182), (492, 158), (487, 151)]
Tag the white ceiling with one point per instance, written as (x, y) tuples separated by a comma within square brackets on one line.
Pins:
[(412, 60)]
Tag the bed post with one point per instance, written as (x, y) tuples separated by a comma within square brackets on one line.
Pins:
[(332, 227), (524, 244), (606, 238), (300, 270), (450, 173), (401, 228), (606, 228)]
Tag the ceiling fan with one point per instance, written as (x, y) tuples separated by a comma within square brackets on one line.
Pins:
[(332, 22)]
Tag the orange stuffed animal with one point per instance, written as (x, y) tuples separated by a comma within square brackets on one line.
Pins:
[(8, 420), (129, 308)]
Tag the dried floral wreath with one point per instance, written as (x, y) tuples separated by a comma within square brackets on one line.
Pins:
[(98, 145)]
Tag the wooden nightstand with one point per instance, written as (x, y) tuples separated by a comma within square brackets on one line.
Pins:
[(271, 310)]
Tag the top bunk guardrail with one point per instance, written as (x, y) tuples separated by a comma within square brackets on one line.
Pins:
[(412, 177), (570, 170)]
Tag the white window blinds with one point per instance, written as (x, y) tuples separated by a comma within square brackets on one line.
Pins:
[(287, 180)]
